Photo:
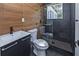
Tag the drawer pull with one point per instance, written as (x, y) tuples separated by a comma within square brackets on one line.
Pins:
[(3, 49), (25, 39)]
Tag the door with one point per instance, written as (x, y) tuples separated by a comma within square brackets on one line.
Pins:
[(77, 28)]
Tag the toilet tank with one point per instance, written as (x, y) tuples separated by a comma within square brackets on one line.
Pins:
[(33, 34)]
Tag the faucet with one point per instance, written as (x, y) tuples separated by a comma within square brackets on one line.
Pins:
[(11, 29)]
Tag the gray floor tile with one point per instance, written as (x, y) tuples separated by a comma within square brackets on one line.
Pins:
[(50, 52)]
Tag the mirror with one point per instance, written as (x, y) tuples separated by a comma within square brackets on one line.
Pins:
[(55, 11)]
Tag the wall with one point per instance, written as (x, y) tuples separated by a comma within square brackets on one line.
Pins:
[(76, 29), (11, 15)]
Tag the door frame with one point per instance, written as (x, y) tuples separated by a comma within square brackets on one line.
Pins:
[(72, 19)]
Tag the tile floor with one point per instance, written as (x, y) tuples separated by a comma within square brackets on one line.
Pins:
[(50, 52)]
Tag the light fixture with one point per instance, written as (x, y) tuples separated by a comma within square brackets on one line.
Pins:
[(23, 20)]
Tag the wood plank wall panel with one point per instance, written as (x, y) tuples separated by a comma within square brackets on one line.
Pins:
[(11, 15), (1, 13), (33, 19)]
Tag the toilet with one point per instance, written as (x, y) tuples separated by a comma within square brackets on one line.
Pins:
[(40, 46)]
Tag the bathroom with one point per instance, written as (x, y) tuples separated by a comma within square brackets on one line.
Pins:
[(38, 29)]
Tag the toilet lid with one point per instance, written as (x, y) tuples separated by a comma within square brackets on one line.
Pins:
[(41, 43)]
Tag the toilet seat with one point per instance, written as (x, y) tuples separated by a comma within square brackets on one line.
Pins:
[(41, 44)]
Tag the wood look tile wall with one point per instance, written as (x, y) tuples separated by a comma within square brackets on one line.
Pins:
[(11, 15)]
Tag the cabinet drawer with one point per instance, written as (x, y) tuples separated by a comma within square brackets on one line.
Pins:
[(25, 38), (10, 49), (9, 46)]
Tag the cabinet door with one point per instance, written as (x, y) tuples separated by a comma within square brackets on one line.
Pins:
[(28, 46), (25, 46), (10, 49)]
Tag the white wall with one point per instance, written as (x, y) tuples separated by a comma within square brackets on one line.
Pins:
[(77, 28)]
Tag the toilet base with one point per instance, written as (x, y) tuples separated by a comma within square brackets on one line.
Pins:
[(39, 52)]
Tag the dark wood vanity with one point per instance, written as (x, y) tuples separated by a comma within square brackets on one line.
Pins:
[(19, 47)]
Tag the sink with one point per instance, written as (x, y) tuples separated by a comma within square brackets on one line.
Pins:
[(7, 38)]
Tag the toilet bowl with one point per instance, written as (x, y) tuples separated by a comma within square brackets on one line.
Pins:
[(40, 46)]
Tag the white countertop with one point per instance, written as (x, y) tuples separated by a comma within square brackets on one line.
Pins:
[(7, 38)]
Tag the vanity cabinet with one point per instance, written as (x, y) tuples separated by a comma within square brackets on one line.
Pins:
[(20, 47)]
